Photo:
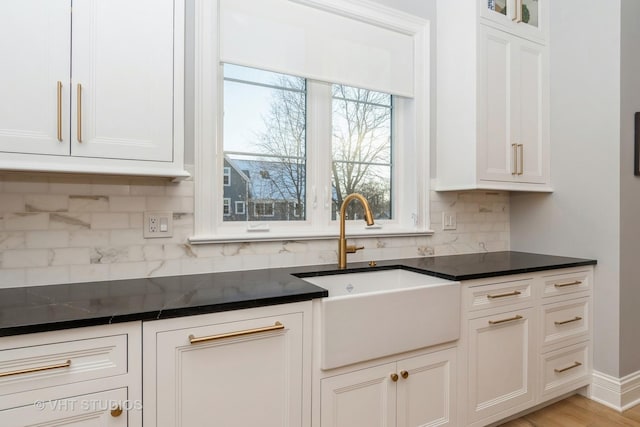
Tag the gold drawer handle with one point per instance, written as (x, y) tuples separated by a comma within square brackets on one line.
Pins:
[(394, 377), (116, 412), (575, 365), (38, 369), (510, 319), (404, 374), (508, 294), (79, 114), (562, 285), (59, 118), (564, 322), (514, 149), (275, 327)]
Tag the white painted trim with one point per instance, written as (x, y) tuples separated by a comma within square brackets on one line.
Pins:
[(616, 393), (208, 129)]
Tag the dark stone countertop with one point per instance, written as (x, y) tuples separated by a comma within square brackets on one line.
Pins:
[(54, 307)]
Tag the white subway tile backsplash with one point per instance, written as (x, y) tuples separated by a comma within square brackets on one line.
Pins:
[(127, 204), (26, 221), (57, 228), (25, 258), (108, 221), (47, 239), (46, 203), (10, 202), (46, 275)]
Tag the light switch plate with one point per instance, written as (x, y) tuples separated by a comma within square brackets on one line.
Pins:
[(449, 221), (157, 224)]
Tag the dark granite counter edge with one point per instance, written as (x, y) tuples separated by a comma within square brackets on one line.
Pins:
[(161, 314)]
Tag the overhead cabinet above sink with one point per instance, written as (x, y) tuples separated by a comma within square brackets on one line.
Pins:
[(98, 89), (492, 95)]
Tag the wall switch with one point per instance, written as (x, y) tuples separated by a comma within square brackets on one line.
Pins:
[(157, 224), (449, 221)]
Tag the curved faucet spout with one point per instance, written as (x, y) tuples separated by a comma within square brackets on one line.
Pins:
[(343, 249)]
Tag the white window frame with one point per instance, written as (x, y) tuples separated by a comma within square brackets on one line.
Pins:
[(411, 126)]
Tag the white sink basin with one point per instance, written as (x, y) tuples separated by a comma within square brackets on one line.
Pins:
[(383, 312)]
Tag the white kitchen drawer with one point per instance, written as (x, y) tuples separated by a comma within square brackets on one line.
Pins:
[(564, 370), (567, 283), (565, 321), (32, 365), (498, 295)]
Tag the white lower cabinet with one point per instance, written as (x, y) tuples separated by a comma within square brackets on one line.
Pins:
[(526, 339), (89, 410), (238, 368), (79, 377), (410, 392), (501, 362)]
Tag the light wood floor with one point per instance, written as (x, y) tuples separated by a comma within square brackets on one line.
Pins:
[(577, 411)]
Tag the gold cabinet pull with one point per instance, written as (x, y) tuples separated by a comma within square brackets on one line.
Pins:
[(275, 327), (564, 322), (562, 285), (116, 412), (521, 168), (38, 369), (404, 374), (510, 319), (507, 294), (79, 115), (575, 365), (394, 377), (59, 119), (514, 150)]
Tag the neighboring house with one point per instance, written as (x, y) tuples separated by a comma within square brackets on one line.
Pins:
[(261, 190)]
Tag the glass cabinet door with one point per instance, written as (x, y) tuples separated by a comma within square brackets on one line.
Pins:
[(530, 12), (498, 6), (525, 18)]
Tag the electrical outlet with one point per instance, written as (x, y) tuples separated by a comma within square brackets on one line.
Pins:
[(157, 224), (449, 221)]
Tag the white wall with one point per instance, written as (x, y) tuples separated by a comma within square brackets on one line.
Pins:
[(582, 217), (630, 193)]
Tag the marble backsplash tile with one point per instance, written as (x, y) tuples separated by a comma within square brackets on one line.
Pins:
[(64, 228)]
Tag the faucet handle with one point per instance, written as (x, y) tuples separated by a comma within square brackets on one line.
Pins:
[(351, 249)]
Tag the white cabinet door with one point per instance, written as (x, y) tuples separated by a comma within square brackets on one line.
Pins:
[(426, 390), (366, 397), (34, 47), (501, 358), (103, 409), (245, 378), (123, 79), (513, 133)]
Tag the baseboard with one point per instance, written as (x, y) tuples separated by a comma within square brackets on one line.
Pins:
[(617, 393)]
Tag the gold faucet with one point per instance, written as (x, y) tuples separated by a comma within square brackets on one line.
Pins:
[(343, 248)]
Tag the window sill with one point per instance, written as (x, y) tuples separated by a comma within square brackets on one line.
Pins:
[(277, 237)]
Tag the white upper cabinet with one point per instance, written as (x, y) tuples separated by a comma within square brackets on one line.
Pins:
[(492, 103), (524, 18), (34, 45), (99, 86)]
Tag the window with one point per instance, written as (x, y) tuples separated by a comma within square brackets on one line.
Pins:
[(226, 176), (264, 137), (299, 135), (226, 206), (361, 150), (264, 209), (240, 208)]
